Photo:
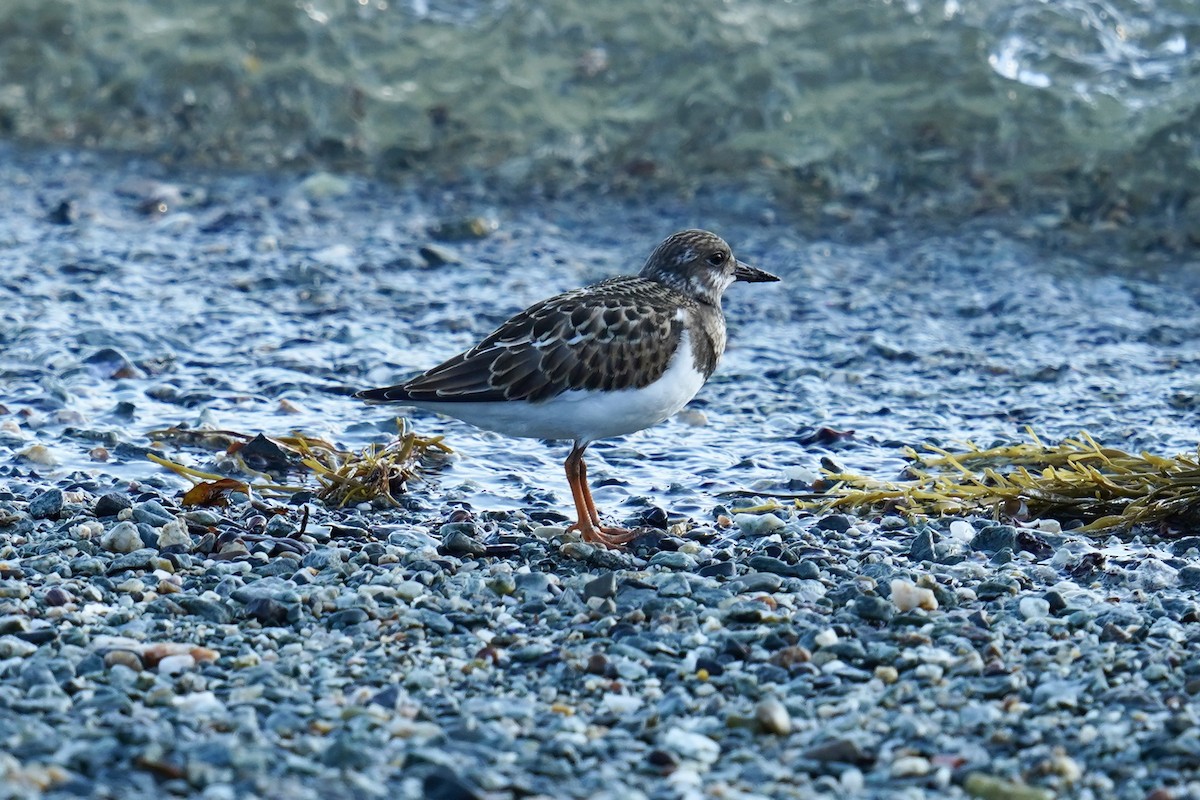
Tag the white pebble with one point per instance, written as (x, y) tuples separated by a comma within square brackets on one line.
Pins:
[(825, 638), (622, 703), (910, 767), (86, 530), (694, 746), (121, 538), (801, 474), (173, 665), (907, 595), (174, 533), (12, 647), (1034, 607), (962, 530)]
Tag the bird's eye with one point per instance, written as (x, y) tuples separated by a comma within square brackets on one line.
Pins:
[(717, 259)]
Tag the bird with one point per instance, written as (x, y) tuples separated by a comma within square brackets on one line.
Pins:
[(593, 363)]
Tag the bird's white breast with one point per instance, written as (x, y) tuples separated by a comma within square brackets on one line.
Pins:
[(585, 415)]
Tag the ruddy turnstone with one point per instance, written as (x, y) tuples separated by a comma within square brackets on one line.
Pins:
[(605, 360)]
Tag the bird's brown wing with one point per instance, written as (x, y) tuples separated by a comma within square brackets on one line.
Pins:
[(618, 334)]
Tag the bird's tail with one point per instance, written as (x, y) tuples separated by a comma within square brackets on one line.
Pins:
[(386, 394)]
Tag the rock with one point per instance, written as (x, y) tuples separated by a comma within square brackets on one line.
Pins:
[(604, 585), (174, 534), (271, 613), (991, 787), (144, 558), (1034, 607), (111, 504), (758, 524), (906, 596), (773, 717), (921, 548), (124, 658), (458, 542), (346, 618), (121, 538), (206, 609), (690, 745), (995, 538), (175, 664), (755, 582), (15, 647), (47, 505), (838, 523), (445, 784), (910, 767), (151, 512), (962, 530), (873, 607), (839, 751)]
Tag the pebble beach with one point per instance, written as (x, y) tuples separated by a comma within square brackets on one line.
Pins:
[(463, 644)]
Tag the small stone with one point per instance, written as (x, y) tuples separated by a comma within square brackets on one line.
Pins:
[(57, 596), (921, 548), (444, 784), (47, 505), (825, 638), (991, 787), (324, 186), (14, 647), (39, 454), (838, 751), (907, 595), (1034, 607), (270, 612), (995, 538), (111, 504), (673, 559), (151, 512), (691, 746), (124, 658), (838, 523), (962, 530), (911, 767), (456, 541), (758, 524), (206, 609), (887, 674), (175, 664), (755, 582), (873, 607), (174, 534), (121, 538), (773, 717), (602, 586)]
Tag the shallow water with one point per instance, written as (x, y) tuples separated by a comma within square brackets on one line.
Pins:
[(236, 292), (1085, 107)]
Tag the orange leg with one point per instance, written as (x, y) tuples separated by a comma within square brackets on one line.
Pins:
[(589, 526)]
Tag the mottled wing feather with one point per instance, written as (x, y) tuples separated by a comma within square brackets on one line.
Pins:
[(618, 334)]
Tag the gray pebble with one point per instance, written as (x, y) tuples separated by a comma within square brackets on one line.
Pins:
[(47, 505), (755, 582), (873, 607), (994, 538), (111, 504), (921, 548), (121, 538), (602, 586), (206, 609), (457, 542), (151, 512)]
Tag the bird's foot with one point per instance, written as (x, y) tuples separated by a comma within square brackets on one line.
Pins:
[(614, 538)]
